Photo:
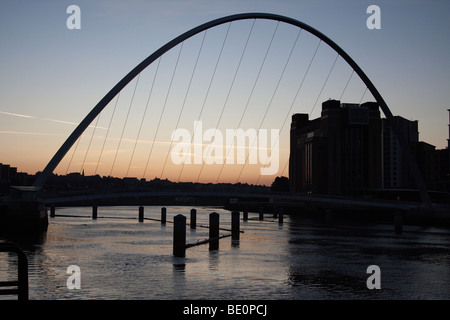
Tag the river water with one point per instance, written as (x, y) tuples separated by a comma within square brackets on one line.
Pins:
[(299, 259)]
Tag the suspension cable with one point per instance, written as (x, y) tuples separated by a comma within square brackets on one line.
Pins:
[(207, 94), (229, 91), (90, 142), (125, 124), (271, 101), (107, 133), (348, 81), (73, 153), (363, 95), (163, 109), (143, 116), (295, 98), (184, 101), (325, 82)]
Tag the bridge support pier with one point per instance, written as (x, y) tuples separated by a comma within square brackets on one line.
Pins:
[(23, 213)]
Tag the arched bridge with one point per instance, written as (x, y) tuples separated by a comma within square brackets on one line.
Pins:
[(87, 121)]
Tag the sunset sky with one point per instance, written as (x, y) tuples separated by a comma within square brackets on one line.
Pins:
[(51, 77)]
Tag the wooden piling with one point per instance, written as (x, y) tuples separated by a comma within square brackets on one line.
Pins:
[(214, 231), (141, 214), (261, 213), (163, 215), (398, 222), (235, 225), (52, 211), (193, 218), (280, 216), (94, 212), (245, 215), (328, 216), (179, 236)]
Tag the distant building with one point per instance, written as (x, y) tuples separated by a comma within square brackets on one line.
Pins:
[(7, 173), (433, 164), (396, 171), (9, 177), (338, 153)]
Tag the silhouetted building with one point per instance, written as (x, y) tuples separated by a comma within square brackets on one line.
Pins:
[(396, 170), (7, 173), (433, 164), (338, 153)]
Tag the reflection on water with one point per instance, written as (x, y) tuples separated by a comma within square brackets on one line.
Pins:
[(300, 259)]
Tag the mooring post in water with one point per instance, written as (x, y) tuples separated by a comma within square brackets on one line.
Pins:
[(398, 222), (163, 215), (214, 231), (94, 212), (245, 215), (179, 236), (235, 225), (193, 218), (275, 209), (280, 216), (141, 214), (261, 213), (52, 211), (328, 216)]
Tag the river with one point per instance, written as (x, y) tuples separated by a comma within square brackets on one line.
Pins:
[(121, 258)]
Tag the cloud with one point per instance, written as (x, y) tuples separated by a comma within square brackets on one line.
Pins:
[(30, 133), (46, 119), (17, 115)]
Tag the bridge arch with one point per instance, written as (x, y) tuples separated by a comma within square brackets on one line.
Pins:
[(65, 147)]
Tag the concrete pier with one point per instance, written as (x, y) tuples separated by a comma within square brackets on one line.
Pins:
[(24, 212)]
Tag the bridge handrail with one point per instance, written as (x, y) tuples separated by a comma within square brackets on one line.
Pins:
[(22, 277)]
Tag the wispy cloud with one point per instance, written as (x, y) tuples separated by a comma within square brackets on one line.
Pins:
[(46, 119), (16, 115), (30, 133)]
